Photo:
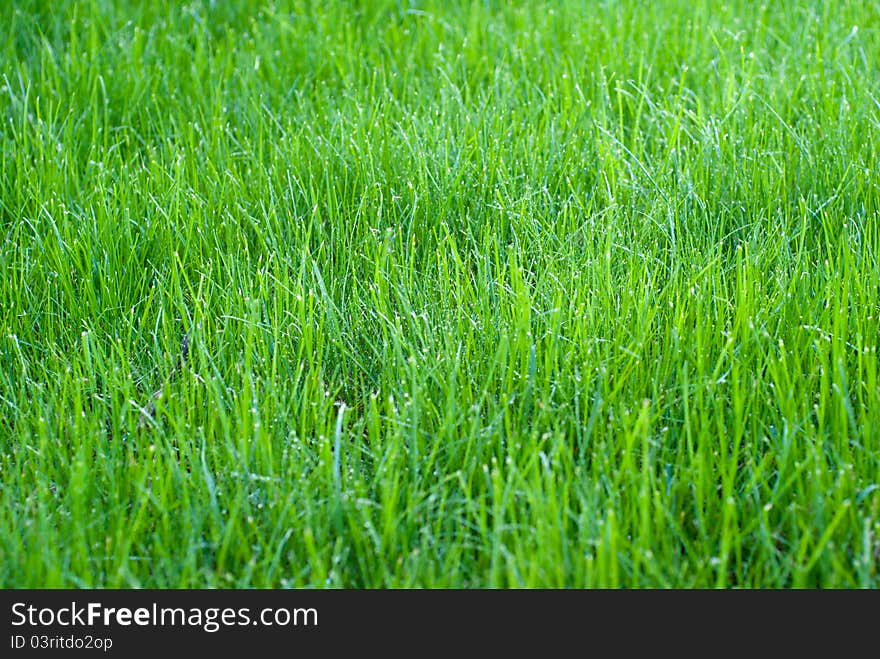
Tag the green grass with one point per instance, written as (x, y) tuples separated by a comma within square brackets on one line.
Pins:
[(479, 294)]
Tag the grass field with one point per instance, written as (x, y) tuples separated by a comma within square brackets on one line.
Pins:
[(477, 294)]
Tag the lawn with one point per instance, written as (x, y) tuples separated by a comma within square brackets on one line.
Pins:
[(439, 294)]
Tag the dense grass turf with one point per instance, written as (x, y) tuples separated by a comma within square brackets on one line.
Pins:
[(477, 293)]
